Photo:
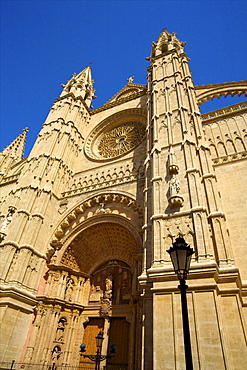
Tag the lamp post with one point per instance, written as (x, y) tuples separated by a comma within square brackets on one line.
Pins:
[(180, 254), (98, 357)]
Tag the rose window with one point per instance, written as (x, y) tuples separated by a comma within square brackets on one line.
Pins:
[(117, 135), (120, 139)]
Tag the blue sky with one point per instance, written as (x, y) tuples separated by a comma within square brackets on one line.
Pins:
[(44, 42)]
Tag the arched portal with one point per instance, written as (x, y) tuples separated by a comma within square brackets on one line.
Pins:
[(92, 285), (108, 252), (99, 242)]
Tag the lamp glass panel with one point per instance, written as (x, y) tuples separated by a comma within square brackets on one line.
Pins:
[(99, 340), (182, 258), (174, 259), (188, 261)]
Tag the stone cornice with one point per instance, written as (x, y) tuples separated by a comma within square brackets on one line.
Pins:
[(54, 301), (54, 267), (17, 297)]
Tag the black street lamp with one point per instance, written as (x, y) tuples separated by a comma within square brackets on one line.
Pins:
[(180, 254), (98, 357)]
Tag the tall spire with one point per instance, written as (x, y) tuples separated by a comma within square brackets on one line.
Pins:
[(17, 147), (80, 85)]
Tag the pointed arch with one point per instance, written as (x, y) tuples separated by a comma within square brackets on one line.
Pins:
[(230, 147), (213, 151), (239, 144), (221, 149)]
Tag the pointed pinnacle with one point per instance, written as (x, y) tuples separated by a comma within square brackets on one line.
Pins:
[(16, 147)]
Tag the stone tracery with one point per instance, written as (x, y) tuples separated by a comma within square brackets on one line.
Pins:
[(120, 139)]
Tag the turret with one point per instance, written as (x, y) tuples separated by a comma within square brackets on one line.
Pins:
[(182, 181)]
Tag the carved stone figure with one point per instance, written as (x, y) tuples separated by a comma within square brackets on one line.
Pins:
[(130, 80), (60, 330), (69, 290), (56, 353), (174, 185), (108, 287)]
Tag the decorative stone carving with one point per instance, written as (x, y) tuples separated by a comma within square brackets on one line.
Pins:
[(174, 185), (130, 80), (132, 209), (105, 307), (99, 180)]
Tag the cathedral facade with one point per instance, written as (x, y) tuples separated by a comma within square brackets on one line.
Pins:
[(87, 219)]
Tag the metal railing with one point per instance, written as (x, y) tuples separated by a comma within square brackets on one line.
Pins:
[(81, 366), (29, 366)]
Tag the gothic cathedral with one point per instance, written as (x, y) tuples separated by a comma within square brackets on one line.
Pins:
[(87, 219)]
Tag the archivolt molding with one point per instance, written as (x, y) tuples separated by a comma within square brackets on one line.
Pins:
[(99, 240), (206, 92), (105, 204)]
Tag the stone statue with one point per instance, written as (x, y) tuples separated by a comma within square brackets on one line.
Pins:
[(60, 331), (174, 185), (56, 353), (69, 290), (108, 287), (130, 79)]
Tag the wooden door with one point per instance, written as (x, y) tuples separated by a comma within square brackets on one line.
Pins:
[(92, 329), (119, 336)]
